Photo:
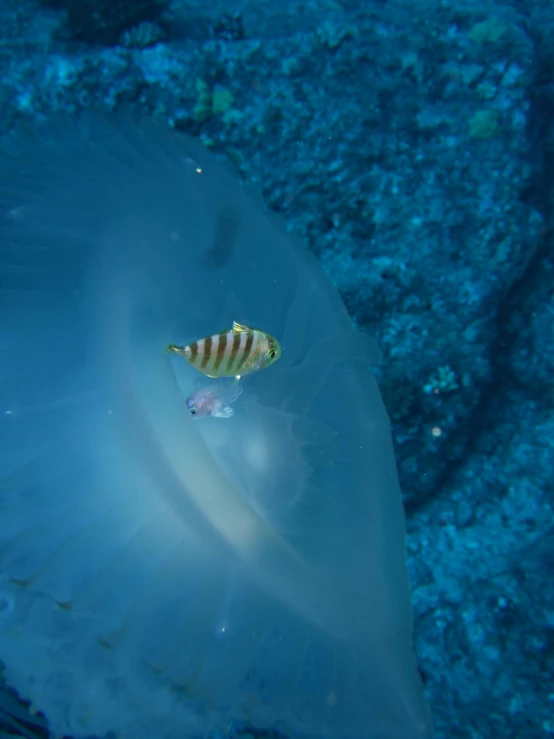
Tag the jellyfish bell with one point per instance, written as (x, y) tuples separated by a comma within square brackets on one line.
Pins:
[(167, 575)]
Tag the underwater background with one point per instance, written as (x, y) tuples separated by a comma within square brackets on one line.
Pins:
[(410, 143)]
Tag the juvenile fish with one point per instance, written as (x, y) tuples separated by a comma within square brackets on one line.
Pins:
[(213, 400), (233, 353)]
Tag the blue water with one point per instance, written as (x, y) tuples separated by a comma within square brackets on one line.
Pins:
[(246, 576)]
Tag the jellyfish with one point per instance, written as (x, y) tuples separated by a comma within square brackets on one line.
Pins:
[(163, 577)]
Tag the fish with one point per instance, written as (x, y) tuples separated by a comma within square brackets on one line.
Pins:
[(213, 400), (234, 353)]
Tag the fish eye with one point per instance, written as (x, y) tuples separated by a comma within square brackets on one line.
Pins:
[(192, 411), (272, 354)]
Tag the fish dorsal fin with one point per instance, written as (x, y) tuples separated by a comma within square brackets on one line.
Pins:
[(238, 327)]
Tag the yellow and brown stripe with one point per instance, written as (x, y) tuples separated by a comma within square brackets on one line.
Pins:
[(199, 354), (247, 348), (236, 338), (222, 342), (220, 354)]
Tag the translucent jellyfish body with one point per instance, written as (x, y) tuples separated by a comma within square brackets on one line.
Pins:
[(168, 577)]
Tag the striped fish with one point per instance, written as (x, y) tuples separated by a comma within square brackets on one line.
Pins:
[(233, 353)]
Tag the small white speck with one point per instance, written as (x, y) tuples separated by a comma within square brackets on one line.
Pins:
[(8, 413)]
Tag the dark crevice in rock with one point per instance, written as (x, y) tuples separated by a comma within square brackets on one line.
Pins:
[(514, 310)]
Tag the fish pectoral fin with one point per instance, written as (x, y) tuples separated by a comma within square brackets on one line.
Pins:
[(238, 327)]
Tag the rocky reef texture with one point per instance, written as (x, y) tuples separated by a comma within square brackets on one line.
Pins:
[(411, 144)]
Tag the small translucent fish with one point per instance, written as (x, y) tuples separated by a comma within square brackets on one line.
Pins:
[(213, 400), (233, 353)]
